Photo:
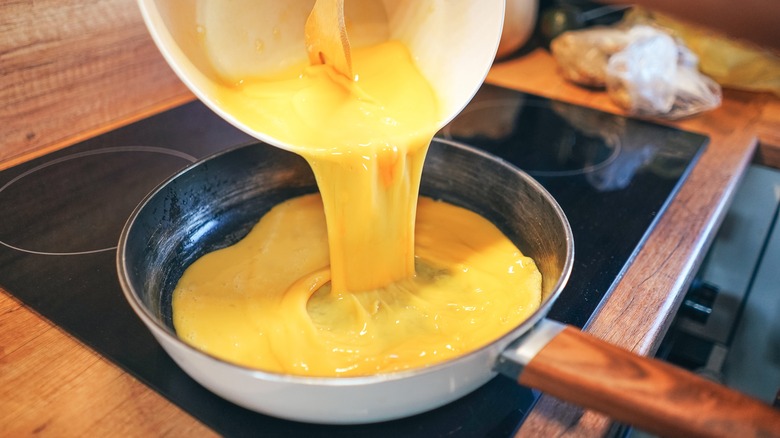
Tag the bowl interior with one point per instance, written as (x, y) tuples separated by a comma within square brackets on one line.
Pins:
[(211, 42), (215, 203)]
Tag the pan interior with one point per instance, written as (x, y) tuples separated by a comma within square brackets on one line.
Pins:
[(216, 202)]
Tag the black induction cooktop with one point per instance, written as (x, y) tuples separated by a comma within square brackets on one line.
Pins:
[(63, 213)]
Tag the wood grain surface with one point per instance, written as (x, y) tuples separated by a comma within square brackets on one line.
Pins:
[(73, 69), (52, 385), (644, 392)]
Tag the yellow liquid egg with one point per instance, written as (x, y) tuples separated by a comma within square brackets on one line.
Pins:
[(361, 278)]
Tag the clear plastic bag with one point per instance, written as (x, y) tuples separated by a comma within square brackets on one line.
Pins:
[(730, 62), (644, 69)]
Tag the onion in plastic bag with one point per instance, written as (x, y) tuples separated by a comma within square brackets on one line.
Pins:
[(645, 70)]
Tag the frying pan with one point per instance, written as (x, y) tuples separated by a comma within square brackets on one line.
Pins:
[(216, 201)]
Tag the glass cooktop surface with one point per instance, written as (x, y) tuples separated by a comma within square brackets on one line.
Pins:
[(63, 214)]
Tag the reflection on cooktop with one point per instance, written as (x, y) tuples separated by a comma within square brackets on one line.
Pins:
[(554, 139), (512, 125)]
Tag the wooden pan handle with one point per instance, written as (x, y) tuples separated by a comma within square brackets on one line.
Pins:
[(647, 393)]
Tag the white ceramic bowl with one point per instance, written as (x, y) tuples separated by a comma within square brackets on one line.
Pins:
[(454, 42), (519, 24)]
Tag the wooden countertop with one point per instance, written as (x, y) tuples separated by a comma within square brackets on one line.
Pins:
[(51, 384)]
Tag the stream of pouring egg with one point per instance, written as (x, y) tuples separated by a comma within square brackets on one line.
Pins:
[(362, 278)]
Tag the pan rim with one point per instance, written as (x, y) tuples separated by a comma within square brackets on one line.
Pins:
[(493, 348)]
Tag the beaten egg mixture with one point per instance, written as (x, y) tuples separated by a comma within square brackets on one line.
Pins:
[(362, 278)]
